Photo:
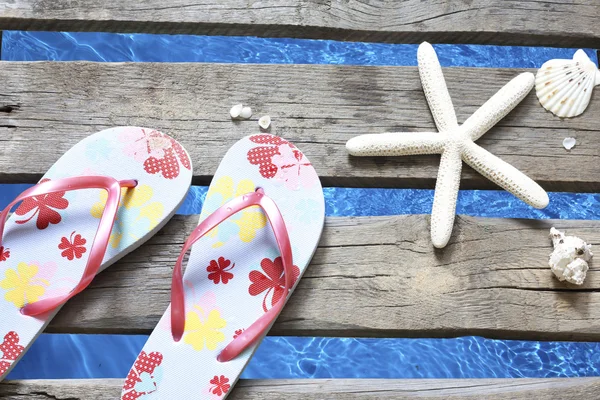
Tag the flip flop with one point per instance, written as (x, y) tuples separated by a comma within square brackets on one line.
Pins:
[(264, 204), (60, 237)]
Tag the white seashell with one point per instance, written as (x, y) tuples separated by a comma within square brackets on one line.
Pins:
[(236, 111), (569, 260), (569, 143), (246, 113), (264, 122), (564, 87)]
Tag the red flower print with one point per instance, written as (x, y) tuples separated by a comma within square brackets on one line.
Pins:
[(218, 270), (263, 155), (43, 206), (73, 247), (219, 385), (145, 363), (158, 152), (4, 253), (238, 333), (282, 161), (274, 280), (10, 350)]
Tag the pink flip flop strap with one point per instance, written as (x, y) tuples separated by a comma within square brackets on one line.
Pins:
[(100, 242), (262, 324)]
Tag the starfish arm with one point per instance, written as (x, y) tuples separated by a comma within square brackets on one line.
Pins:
[(434, 86), (396, 144), (444, 200), (505, 175), (499, 105)]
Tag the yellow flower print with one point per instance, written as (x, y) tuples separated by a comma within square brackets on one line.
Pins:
[(199, 334), (23, 288), (136, 217), (245, 223)]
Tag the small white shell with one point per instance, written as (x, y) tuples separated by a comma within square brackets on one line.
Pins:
[(564, 87), (264, 122), (246, 113), (569, 143), (236, 111)]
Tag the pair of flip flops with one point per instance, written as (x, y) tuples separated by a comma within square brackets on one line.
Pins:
[(259, 227)]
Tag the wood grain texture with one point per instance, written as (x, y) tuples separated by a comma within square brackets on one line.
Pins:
[(379, 277), (330, 389), (45, 108), (519, 22)]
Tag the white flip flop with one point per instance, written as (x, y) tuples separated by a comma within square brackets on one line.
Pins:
[(60, 237), (244, 261)]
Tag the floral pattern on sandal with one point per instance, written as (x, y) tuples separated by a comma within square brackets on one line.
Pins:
[(131, 226), (73, 247), (283, 161), (10, 350), (4, 253), (218, 387), (144, 377), (44, 207), (219, 270), (203, 327), (243, 224), (273, 282), (158, 152), (24, 284)]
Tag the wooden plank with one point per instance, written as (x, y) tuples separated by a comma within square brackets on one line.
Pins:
[(342, 389), (518, 22), (380, 277), (47, 107)]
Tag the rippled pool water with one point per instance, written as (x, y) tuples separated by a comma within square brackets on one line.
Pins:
[(98, 356), (62, 46)]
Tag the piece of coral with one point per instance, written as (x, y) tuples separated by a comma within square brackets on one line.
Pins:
[(569, 260)]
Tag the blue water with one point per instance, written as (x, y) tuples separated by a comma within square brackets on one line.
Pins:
[(61, 46), (110, 356)]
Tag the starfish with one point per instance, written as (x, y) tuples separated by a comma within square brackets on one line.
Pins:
[(456, 143)]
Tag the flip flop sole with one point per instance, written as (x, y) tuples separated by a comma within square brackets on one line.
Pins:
[(47, 238), (234, 274)]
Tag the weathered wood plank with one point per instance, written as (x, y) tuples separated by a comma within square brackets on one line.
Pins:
[(47, 107), (342, 389), (379, 277), (519, 22)]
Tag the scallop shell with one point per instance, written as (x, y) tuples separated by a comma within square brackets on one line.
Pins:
[(564, 87)]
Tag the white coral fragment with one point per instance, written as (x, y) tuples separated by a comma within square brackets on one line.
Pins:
[(246, 113), (569, 143), (236, 111), (569, 260), (264, 122)]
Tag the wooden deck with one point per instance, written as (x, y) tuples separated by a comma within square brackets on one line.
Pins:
[(318, 107), (371, 276), (572, 23)]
